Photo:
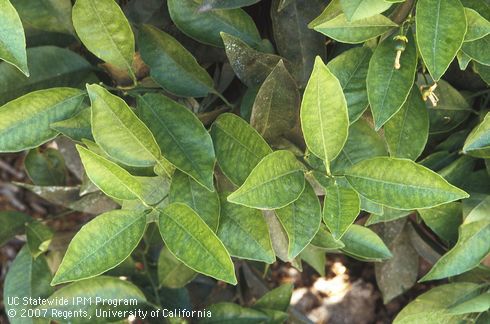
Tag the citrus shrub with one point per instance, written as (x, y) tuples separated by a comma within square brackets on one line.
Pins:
[(211, 137)]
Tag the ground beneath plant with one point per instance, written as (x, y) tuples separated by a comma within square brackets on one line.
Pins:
[(347, 294)]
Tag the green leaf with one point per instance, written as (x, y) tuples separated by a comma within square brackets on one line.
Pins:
[(239, 148), (278, 298), (11, 224), (401, 184), (105, 31), (46, 15), (77, 127), (276, 105), (171, 65), (182, 138), (39, 238), (171, 272), (478, 26), (104, 289), (478, 141), (441, 28), (478, 304), (275, 182), (359, 31), (292, 37), (398, 274), (205, 203), (245, 233), (119, 132), (362, 243), (477, 50), (192, 242), (46, 168), (315, 257), (24, 122), (351, 68), (472, 247), (94, 251), (388, 88), (340, 210), (359, 9), (482, 7), (251, 66), (432, 306), (332, 10), (483, 71), (49, 67), (444, 220), (225, 4), (228, 312), (26, 278), (324, 117), (363, 143), (301, 220), (325, 240), (12, 39), (206, 27), (113, 180), (408, 130)]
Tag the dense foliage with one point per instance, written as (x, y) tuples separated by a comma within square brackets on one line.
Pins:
[(214, 137)]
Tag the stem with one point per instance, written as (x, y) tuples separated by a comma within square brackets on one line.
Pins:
[(150, 278), (219, 95), (403, 11)]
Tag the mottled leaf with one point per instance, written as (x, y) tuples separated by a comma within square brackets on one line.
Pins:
[(12, 39), (340, 210)]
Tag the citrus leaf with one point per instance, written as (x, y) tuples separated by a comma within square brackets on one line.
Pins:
[(251, 66), (206, 27), (39, 238), (301, 220), (182, 138), (444, 220), (119, 132), (359, 31), (478, 50), (340, 210), (24, 122), (245, 233), (276, 105), (275, 182), (324, 117), (192, 242), (477, 304), (401, 184), (441, 28), (472, 247), (478, 26), (325, 240), (12, 39), (92, 251), (171, 65), (408, 130), (278, 298), (432, 306), (359, 9), (388, 88), (363, 143), (11, 224), (77, 127), (351, 68), (225, 4), (171, 272), (292, 37), (478, 142), (27, 278), (102, 288), (46, 15), (205, 203), (238, 146), (49, 67), (364, 244), (105, 31), (113, 180), (46, 168)]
